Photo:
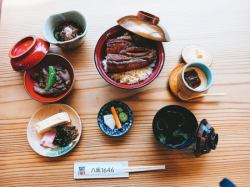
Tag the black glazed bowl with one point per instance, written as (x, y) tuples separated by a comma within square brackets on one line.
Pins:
[(171, 121)]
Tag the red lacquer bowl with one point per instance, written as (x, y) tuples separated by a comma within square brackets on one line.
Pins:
[(100, 53), (27, 53), (49, 59)]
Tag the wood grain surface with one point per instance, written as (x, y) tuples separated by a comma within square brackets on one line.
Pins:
[(222, 27)]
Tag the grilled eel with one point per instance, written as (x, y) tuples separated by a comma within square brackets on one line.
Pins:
[(123, 55)]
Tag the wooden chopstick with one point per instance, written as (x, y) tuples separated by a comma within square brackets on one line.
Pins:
[(144, 168), (202, 95)]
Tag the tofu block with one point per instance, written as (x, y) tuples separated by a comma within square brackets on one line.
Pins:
[(52, 121)]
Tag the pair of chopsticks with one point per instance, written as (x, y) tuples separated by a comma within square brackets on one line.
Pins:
[(144, 168), (202, 95)]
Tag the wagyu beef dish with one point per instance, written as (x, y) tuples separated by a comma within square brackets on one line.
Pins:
[(129, 58), (51, 81)]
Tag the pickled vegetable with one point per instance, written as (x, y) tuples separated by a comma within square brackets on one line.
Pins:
[(123, 117), (118, 109)]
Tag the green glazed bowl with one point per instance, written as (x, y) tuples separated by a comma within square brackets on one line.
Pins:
[(54, 20)]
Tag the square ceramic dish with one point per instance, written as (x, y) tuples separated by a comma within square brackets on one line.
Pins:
[(55, 20)]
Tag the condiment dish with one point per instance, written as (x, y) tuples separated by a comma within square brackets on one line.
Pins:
[(125, 125)]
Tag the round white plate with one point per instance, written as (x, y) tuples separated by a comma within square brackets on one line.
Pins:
[(45, 112)]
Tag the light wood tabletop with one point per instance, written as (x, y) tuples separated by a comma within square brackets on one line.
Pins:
[(221, 27)]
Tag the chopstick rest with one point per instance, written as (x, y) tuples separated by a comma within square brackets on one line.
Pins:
[(116, 169)]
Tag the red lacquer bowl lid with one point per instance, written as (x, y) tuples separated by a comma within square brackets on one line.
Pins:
[(49, 59), (27, 53), (100, 53)]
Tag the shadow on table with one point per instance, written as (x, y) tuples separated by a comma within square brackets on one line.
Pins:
[(181, 163)]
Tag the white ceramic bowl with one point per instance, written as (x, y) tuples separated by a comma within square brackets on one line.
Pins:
[(54, 20)]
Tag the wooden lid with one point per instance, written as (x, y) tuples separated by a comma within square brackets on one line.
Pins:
[(194, 53), (145, 25)]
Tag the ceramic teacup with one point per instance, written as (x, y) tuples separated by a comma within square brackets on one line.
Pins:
[(55, 20), (185, 91)]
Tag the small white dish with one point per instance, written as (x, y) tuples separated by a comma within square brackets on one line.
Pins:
[(45, 112)]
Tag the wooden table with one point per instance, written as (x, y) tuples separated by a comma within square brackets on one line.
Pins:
[(222, 27)]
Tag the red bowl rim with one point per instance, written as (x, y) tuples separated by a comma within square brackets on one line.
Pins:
[(60, 97), (152, 77), (24, 52)]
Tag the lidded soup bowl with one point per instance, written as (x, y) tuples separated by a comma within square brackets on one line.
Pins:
[(176, 128), (145, 26), (30, 54)]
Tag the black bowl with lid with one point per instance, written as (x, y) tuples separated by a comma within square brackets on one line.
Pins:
[(177, 128)]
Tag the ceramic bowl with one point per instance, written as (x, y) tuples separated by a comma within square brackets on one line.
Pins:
[(43, 113), (54, 20), (106, 110), (205, 69), (49, 59), (100, 53), (27, 53), (184, 117)]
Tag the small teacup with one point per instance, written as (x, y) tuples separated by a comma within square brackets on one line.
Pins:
[(187, 91), (55, 20)]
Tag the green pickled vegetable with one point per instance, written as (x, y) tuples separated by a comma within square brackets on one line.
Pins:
[(123, 117), (119, 109), (51, 78)]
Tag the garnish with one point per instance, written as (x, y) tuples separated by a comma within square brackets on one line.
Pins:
[(51, 78), (118, 109), (123, 117), (116, 118), (65, 134)]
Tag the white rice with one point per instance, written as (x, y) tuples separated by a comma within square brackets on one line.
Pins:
[(132, 76)]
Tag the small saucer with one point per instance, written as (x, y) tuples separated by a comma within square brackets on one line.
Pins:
[(106, 110), (172, 81), (45, 112)]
